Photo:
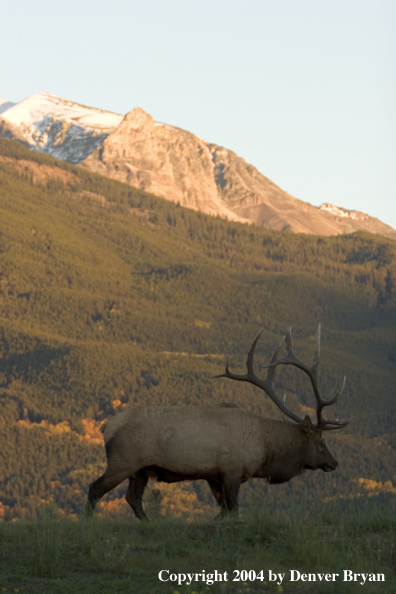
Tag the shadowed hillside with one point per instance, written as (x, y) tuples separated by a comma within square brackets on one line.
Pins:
[(111, 297)]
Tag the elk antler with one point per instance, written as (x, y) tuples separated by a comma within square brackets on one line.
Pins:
[(290, 359), (264, 384)]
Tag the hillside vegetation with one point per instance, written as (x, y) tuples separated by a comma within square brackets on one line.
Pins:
[(111, 297)]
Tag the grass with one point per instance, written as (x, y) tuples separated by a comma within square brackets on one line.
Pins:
[(59, 556)]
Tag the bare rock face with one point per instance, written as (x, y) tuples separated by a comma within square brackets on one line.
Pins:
[(179, 166), (257, 199), (171, 163), (163, 160)]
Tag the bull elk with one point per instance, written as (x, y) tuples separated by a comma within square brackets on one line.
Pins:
[(220, 443)]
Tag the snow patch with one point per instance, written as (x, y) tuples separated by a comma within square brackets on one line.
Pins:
[(337, 211), (62, 128), (31, 111)]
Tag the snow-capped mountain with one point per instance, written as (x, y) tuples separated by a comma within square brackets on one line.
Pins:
[(61, 128), (171, 163)]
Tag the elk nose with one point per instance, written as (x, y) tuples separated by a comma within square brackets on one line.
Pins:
[(331, 465)]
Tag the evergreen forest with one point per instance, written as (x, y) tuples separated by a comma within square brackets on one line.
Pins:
[(111, 297)]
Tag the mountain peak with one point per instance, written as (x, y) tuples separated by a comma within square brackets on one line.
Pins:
[(138, 118), (61, 128), (172, 163)]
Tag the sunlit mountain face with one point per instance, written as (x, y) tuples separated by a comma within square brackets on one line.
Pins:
[(171, 163)]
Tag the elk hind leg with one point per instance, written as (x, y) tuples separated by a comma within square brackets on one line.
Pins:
[(134, 496), (101, 486)]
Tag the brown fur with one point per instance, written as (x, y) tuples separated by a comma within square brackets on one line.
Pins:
[(223, 444)]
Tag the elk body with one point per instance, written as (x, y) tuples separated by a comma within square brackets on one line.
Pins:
[(221, 443)]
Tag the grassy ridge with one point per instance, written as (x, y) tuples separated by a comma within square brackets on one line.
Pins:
[(60, 556)]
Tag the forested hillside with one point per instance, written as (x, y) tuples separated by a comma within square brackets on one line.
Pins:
[(112, 297)]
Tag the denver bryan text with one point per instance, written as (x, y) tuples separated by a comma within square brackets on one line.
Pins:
[(347, 576)]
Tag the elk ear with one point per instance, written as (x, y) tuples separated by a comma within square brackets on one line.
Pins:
[(307, 425)]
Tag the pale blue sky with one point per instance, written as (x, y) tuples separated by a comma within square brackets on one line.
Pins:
[(304, 90)]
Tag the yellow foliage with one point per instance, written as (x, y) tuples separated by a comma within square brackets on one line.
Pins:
[(181, 501), (92, 432), (308, 410), (160, 498), (62, 427), (3, 510), (118, 405), (115, 508), (377, 487), (202, 324)]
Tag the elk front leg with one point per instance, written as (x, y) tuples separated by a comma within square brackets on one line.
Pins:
[(218, 494), (231, 486), (134, 496)]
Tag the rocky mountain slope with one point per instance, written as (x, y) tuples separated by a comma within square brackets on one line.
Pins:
[(174, 164), (61, 128)]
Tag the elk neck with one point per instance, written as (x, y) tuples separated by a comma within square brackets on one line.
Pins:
[(284, 448)]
